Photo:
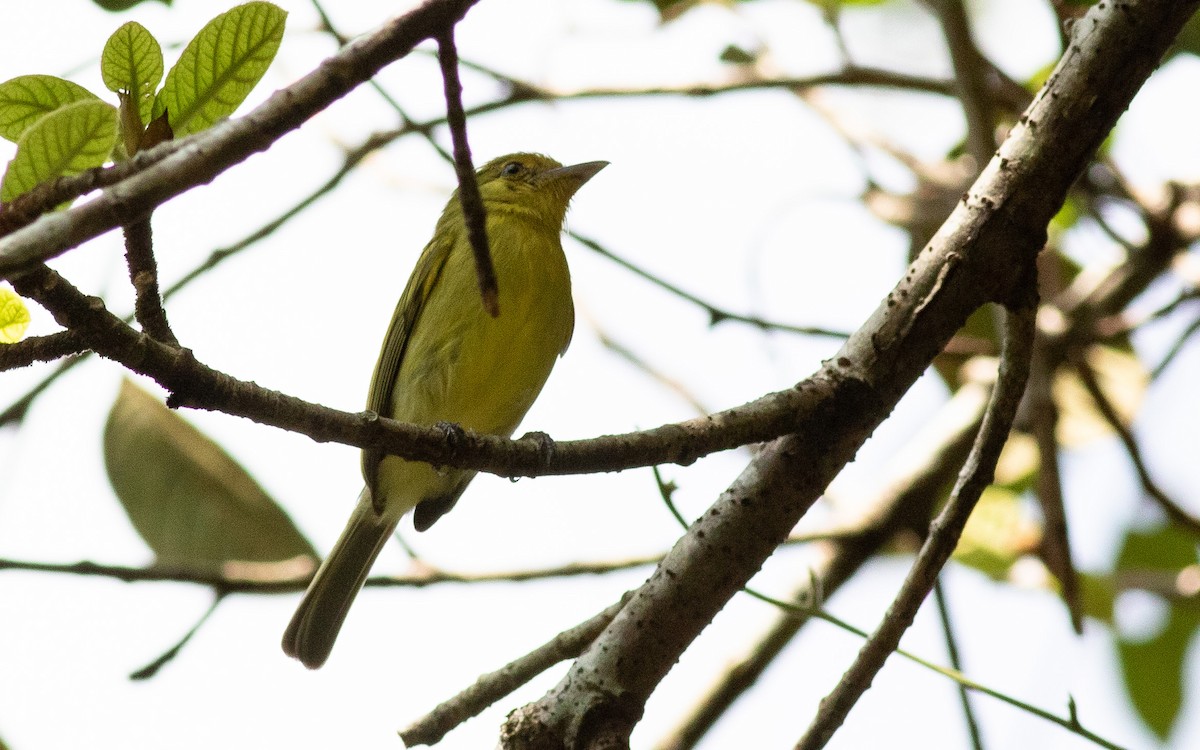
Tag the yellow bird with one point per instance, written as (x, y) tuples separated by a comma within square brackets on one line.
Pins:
[(445, 359)]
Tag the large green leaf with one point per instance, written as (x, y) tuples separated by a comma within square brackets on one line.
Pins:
[(220, 67), (1153, 667), (132, 62), (193, 504), (26, 99), (69, 140)]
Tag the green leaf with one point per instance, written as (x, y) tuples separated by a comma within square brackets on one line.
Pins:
[(1188, 39), (1165, 549), (998, 534), (193, 504), (117, 5), (1122, 377), (132, 62), (1153, 667), (26, 99), (736, 55), (220, 67), (14, 316), (1099, 596), (69, 140), (1153, 671)]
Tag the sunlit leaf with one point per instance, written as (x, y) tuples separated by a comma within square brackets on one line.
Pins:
[(978, 336), (1019, 463), (1123, 380), (132, 62), (1068, 215), (67, 141), (14, 316), (193, 504), (26, 99), (999, 533), (1153, 667), (220, 67)]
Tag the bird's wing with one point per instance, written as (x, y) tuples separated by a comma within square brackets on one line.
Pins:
[(421, 283)]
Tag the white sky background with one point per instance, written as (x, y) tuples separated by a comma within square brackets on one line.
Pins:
[(748, 200)]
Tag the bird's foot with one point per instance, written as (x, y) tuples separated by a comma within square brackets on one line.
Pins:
[(454, 434), (545, 443)]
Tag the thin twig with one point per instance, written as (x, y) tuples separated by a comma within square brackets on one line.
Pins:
[(715, 314), (944, 532), (207, 154), (1175, 349), (970, 78), (40, 349), (1070, 723), (964, 698), (143, 273), (406, 122), (281, 578), (1042, 414), (640, 364), (494, 686), (1090, 383), (468, 189), (162, 660)]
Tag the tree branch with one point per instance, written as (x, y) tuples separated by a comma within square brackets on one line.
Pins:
[(918, 478), (946, 529), (982, 253), (493, 686), (468, 189), (143, 273), (201, 158)]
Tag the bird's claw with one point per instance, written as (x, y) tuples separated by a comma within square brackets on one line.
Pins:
[(546, 445), (454, 434)]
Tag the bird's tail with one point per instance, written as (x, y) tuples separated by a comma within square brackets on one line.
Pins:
[(310, 635)]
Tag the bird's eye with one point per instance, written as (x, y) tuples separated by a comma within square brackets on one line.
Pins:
[(512, 168)]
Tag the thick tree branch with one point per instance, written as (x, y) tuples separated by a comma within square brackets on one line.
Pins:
[(918, 478), (984, 252)]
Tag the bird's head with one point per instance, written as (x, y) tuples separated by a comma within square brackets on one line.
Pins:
[(534, 185)]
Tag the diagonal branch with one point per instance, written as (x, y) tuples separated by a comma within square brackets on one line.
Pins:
[(982, 253), (976, 475), (494, 686), (1109, 412), (920, 475)]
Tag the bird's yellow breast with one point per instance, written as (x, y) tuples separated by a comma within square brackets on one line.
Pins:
[(466, 367)]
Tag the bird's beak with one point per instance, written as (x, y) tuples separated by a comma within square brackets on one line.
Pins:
[(574, 175)]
